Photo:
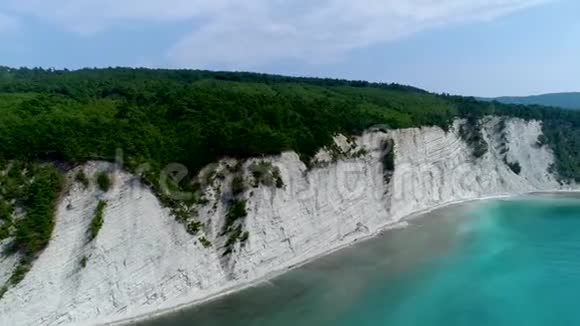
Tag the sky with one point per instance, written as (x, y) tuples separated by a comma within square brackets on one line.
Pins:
[(467, 47)]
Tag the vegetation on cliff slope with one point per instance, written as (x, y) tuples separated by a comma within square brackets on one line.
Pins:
[(196, 117), (561, 129), (157, 117), (98, 220), (28, 197), (103, 181)]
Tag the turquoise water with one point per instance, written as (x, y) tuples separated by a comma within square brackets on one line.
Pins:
[(501, 262)]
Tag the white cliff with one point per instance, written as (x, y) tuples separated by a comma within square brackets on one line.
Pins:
[(143, 261)]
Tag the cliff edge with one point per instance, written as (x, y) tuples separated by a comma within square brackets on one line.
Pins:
[(143, 261)]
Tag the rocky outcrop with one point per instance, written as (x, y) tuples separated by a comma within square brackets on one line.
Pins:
[(143, 261)]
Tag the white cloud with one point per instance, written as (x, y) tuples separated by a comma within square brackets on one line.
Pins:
[(92, 16), (241, 33), (326, 30)]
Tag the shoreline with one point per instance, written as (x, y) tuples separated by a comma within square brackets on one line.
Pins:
[(402, 223)]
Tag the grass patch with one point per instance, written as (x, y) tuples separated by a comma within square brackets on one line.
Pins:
[(20, 272), (33, 232), (236, 211), (98, 220), (262, 174), (266, 174), (81, 178), (181, 214), (234, 236), (205, 242), (193, 227), (35, 188)]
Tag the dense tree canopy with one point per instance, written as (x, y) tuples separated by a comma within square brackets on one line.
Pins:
[(196, 117)]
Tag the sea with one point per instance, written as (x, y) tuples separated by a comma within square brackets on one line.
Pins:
[(495, 262)]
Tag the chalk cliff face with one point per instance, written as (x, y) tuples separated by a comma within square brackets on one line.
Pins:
[(143, 261)]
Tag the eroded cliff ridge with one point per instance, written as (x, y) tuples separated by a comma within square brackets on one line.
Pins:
[(259, 217)]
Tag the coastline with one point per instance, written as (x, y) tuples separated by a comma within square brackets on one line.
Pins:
[(402, 223)]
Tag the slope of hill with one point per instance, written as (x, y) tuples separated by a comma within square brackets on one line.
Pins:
[(143, 262), (243, 174), (562, 100)]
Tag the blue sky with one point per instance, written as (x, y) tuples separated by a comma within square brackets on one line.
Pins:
[(470, 47)]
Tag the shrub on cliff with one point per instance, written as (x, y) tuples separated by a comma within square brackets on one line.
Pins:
[(514, 166), (193, 227), (83, 262), (205, 242), (389, 155), (4, 230), (238, 185), (542, 140), (103, 181), (388, 159), (5, 210), (19, 273), (34, 230), (81, 178), (277, 175), (97, 221), (267, 174), (471, 132), (236, 211)]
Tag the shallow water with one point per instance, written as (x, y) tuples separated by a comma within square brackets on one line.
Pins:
[(498, 262)]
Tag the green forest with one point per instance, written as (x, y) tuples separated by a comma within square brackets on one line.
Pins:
[(196, 117), (55, 119)]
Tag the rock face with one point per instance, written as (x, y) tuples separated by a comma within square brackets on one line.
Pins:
[(143, 261)]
